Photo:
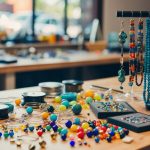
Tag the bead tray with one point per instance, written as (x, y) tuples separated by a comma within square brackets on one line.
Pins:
[(97, 108), (136, 122)]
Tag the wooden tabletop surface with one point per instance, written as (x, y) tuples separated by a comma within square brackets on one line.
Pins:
[(140, 139), (91, 58)]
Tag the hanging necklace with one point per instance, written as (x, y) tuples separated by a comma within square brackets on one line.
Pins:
[(122, 40), (140, 49), (132, 53), (146, 92)]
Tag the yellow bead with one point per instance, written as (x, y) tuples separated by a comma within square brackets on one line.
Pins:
[(18, 102), (97, 97), (74, 128), (45, 115), (117, 136), (79, 96), (85, 125), (62, 108), (16, 129), (58, 99), (85, 106)]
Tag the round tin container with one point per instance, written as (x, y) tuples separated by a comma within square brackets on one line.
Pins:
[(52, 89), (3, 111), (73, 85)]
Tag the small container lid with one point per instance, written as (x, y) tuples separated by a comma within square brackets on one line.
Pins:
[(72, 82), (33, 94), (3, 107), (50, 85)]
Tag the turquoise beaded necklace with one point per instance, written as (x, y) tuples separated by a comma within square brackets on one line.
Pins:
[(146, 92)]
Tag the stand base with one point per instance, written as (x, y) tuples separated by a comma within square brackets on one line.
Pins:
[(148, 106)]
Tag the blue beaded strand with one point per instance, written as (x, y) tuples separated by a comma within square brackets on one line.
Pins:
[(146, 92)]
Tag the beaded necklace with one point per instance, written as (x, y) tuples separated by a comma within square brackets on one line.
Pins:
[(146, 92), (140, 49), (122, 40), (132, 53)]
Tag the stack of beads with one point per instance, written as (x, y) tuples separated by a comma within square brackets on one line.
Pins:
[(132, 55)]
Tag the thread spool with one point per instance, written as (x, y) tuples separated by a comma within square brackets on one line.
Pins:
[(52, 89), (73, 85)]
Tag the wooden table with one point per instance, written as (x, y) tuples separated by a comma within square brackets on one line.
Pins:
[(141, 140), (7, 72)]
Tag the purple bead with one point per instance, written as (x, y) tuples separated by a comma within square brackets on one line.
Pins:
[(68, 124), (55, 128), (108, 139), (52, 123), (63, 137)]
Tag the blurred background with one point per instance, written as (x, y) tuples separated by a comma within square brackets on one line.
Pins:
[(53, 40)]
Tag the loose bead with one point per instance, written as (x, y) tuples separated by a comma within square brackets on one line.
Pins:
[(108, 139), (50, 109), (80, 135), (58, 99), (18, 102), (53, 117), (89, 134), (63, 137), (97, 97), (31, 128), (74, 128), (1, 134), (6, 134), (88, 100), (64, 131), (62, 108), (97, 139), (77, 109), (77, 121), (29, 110), (40, 132), (65, 103), (95, 132), (11, 133), (72, 143), (68, 124), (48, 127), (45, 115), (55, 128), (89, 93), (85, 125)]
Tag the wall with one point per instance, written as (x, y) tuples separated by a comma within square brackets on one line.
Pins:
[(111, 22)]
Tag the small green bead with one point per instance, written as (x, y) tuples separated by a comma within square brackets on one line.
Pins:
[(48, 127), (59, 130), (6, 134), (89, 100)]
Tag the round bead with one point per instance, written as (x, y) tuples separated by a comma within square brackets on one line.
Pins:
[(50, 109), (58, 99), (11, 133), (77, 121), (45, 115), (97, 139), (62, 108), (40, 132), (72, 143), (77, 109), (48, 127), (52, 123), (95, 132), (89, 93), (18, 102), (97, 97), (53, 117), (63, 137), (64, 131), (108, 139), (74, 128), (59, 129), (72, 103), (80, 129), (68, 124), (6, 134), (29, 110), (65, 103), (31, 128), (55, 128), (80, 135), (89, 134), (112, 133), (1, 134), (85, 125), (88, 100)]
